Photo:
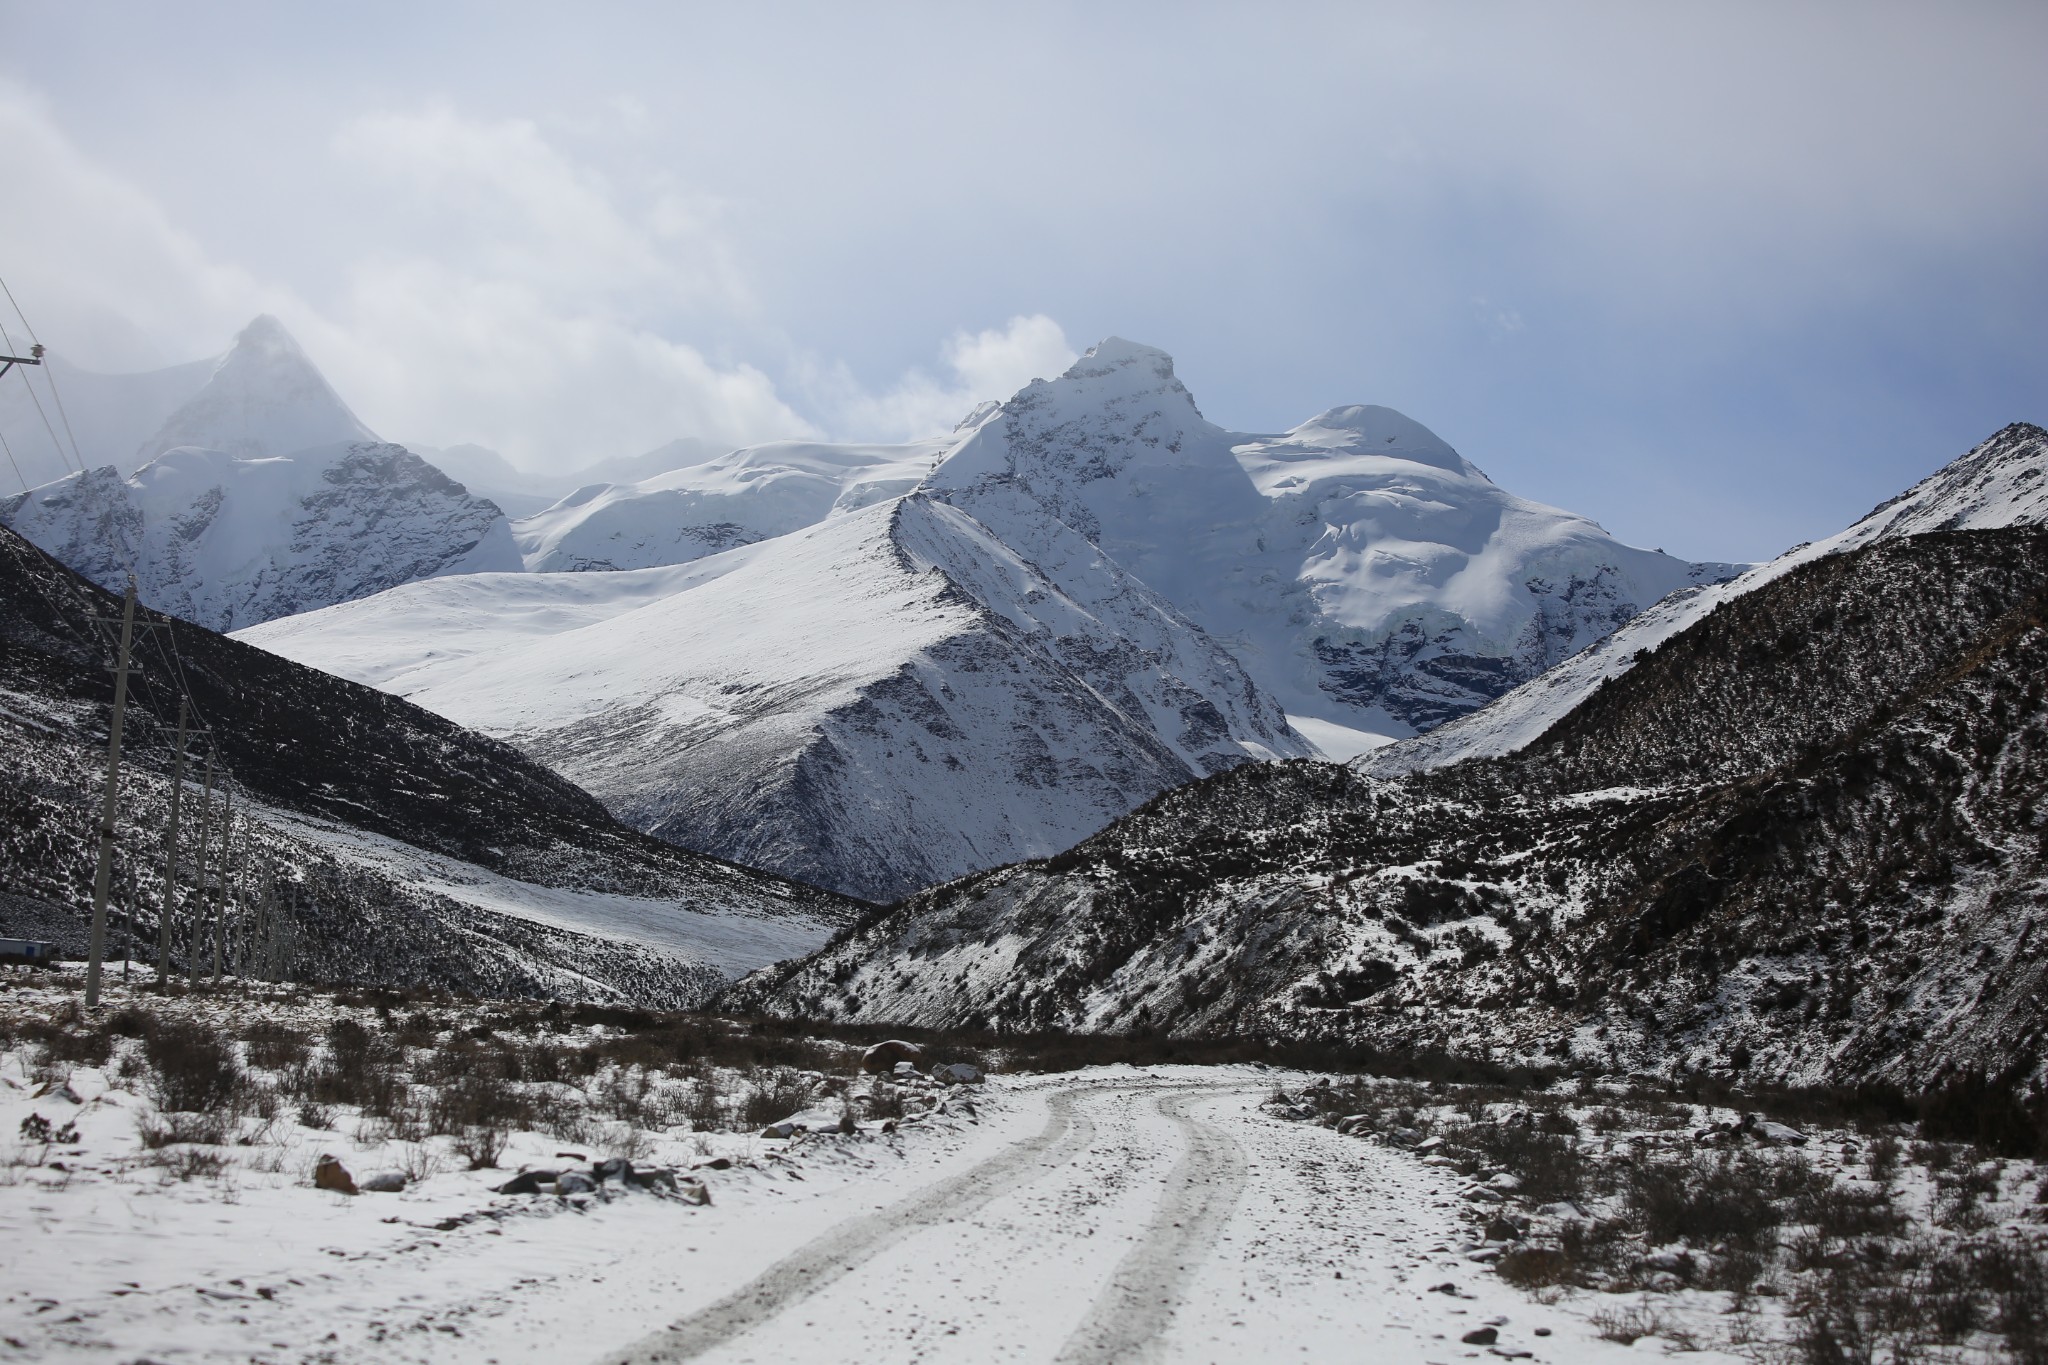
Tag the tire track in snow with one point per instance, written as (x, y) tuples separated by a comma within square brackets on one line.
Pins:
[(1128, 1318), (852, 1244)]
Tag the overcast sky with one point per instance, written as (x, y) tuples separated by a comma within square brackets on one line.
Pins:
[(1720, 276)]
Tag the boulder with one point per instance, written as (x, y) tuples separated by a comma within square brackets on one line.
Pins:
[(1779, 1135), (694, 1192), (1503, 1229), (1481, 1336), (613, 1168), (330, 1174), (956, 1073), (788, 1128), (385, 1182), (884, 1056), (528, 1182), (906, 1071), (658, 1178)]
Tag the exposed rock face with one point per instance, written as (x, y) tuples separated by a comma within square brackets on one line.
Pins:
[(228, 542), (1803, 840)]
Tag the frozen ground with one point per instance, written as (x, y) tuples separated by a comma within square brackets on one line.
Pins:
[(1109, 1214)]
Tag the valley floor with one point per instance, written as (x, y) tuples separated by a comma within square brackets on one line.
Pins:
[(1111, 1214)]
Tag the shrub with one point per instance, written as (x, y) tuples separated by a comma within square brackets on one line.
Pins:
[(777, 1096), (1704, 1201), (275, 1047), (194, 1067)]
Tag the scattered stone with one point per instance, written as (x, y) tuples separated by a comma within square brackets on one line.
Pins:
[(659, 1178), (330, 1174), (1779, 1135), (1502, 1229), (1427, 1144), (885, 1056), (385, 1182), (717, 1163), (956, 1073), (529, 1182), (788, 1128), (1481, 1336), (570, 1156), (574, 1182), (1505, 1183), (694, 1192), (1482, 1194), (906, 1071), (613, 1168)]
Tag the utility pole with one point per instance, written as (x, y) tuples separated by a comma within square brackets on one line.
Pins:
[(199, 879), (220, 902), (163, 928), (97, 945)]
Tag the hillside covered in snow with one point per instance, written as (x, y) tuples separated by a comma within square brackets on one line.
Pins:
[(393, 846)]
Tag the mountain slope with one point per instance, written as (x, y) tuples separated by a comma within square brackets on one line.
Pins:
[(418, 851), (1804, 839), (263, 496), (2003, 482), (887, 699)]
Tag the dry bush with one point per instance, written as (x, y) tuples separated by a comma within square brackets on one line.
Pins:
[(1703, 1201), (178, 1129), (481, 1145), (273, 1046), (476, 1099), (772, 1096), (1549, 1165), (193, 1067)]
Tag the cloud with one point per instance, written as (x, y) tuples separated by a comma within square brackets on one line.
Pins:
[(979, 366)]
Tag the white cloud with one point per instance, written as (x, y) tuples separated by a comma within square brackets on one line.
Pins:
[(533, 311), (979, 366)]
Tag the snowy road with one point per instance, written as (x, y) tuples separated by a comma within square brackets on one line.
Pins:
[(1111, 1215), (1144, 1219)]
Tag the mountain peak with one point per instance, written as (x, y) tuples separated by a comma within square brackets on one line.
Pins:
[(265, 397)]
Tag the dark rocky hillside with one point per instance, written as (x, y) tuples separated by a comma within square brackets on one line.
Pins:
[(320, 762), (1802, 841)]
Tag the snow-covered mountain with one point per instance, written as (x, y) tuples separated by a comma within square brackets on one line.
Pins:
[(887, 699), (712, 505), (2003, 482), (1367, 576), (1093, 594), (260, 496)]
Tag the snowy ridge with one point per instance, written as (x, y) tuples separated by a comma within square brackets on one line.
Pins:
[(2003, 482), (701, 509)]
